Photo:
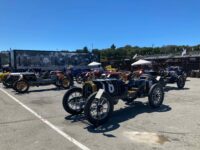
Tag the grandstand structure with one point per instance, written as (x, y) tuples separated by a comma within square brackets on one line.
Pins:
[(189, 61)]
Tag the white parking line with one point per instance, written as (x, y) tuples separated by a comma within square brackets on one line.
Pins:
[(66, 136)]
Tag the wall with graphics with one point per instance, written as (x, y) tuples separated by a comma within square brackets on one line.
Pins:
[(4, 58), (50, 60)]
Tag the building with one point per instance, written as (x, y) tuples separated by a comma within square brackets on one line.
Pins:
[(188, 62), (4, 58), (48, 60)]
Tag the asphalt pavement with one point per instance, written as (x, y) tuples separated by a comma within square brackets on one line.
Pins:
[(37, 120)]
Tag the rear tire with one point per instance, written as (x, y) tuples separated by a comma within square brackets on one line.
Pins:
[(156, 96), (74, 100), (21, 86), (66, 83)]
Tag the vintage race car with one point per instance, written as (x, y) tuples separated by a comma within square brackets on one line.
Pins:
[(165, 77), (98, 97), (171, 77), (56, 78), (178, 70)]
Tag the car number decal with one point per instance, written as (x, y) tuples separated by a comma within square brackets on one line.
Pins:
[(111, 88)]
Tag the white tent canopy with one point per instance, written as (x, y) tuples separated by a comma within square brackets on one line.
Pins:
[(141, 62), (94, 64)]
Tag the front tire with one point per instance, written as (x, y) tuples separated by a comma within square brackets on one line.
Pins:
[(156, 96), (98, 111), (73, 101), (181, 82)]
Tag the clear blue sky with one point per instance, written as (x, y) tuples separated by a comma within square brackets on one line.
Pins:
[(73, 24)]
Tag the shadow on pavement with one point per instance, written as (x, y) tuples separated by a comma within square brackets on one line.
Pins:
[(41, 90), (75, 118), (118, 116), (169, 88)]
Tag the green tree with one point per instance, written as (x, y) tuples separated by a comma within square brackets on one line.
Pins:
[(85, 49), (113, 47)]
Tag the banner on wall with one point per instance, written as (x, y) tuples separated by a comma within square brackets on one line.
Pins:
[(51, 59)]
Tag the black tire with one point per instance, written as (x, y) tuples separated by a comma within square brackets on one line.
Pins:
[(156, 96), (14, 85), (19, 89), (79, 79), (180, 82), (87, 110), (66, 99), (66, 83)]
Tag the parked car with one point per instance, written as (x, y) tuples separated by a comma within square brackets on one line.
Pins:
[(179, 71), (98, 97), (56, 78), (10, 79), (173, 75)]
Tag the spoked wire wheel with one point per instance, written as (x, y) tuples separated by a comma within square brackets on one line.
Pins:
[(73, 101), (98, 111), (156, 96), (99, 108), (65, 83), (21, 86)]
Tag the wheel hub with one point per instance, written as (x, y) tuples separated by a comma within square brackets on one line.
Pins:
[(65, 83), (21, 86), (100, 108)]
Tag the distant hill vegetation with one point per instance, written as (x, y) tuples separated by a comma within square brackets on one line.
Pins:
[(128, 51)]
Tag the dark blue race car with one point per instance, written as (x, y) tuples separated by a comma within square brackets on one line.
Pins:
[(98, 97), (174, 74)]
